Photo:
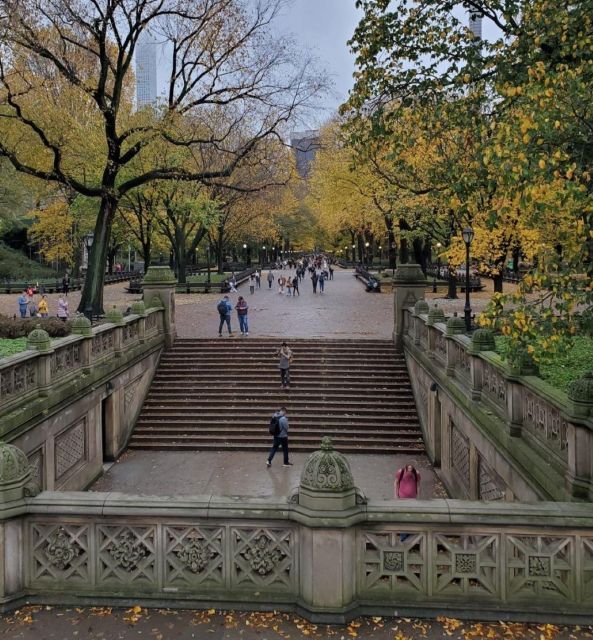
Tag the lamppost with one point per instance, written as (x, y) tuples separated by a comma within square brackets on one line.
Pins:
[(380, 256), (366, 254), (208, 266), (353, 254), (437, 273), (89, 238), (467, 235), (263, 256), (245, 253)]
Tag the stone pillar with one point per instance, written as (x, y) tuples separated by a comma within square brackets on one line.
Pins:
[(482, 340), (116, 317), (15, 486), (409, 284), (81, 326), (139, 309), (159, 282), (579, 474), (455, 327), (39, 340), (327, 498)]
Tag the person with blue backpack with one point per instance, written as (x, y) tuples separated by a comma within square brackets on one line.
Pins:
[(279, 430), (224, 308)]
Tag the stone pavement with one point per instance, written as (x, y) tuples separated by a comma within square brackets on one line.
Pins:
[(105, 623), (244, 473)]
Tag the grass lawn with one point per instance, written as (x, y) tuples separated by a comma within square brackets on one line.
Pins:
[(567, 366), (214, 277), (10, 346)]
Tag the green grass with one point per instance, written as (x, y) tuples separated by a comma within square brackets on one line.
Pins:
[(214, 277), (9, 347), (567, 366), (15, 265)]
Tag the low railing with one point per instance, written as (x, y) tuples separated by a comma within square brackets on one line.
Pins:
[(522, 427), (421, 557), (55, 285)]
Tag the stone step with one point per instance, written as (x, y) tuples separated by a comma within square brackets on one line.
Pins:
[(261, 401), (369, 431), (258, 410), (329, 421), (265, 438)]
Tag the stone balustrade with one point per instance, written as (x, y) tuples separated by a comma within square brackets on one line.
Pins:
[(495, 431)]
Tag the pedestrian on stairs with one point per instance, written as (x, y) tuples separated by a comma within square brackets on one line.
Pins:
[(281, 440), (285, 355), (242, 309), (224, 308)]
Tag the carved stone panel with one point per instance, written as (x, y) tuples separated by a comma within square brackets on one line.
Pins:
[(545, 422), (540, 567), (440, 346), (127, 554), (17, 380), (393, 562), (37, 468), (130, 393), (130, 332), (151, 324), (70, 449), (194, 556), (262, 558), (59, 553), (587, 569), (490, 485), (460, 457), (466, 565), (462, 362), (494, 385), (65, 360), (102, 344)]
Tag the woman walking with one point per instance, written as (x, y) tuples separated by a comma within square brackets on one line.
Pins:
[(63, 312), (285, 355)]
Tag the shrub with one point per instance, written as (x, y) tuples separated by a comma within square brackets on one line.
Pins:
[(22, 327)]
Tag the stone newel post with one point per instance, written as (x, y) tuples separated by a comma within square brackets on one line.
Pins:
[(15, 486), (409, 284), (159, 281), (328, 499)]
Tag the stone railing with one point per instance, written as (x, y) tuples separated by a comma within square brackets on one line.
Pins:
[(326, 551), (494, 430)]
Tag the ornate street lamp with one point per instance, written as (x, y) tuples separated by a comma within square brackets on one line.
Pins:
[(437, 273), (366, 254), (468, 235)]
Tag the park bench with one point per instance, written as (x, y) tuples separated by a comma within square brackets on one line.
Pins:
[(370, 281)]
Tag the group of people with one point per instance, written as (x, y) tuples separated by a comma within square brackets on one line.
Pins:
[(29, 305)]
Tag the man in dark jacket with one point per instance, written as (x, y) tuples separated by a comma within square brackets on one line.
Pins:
[(281, 440), (224, 310)]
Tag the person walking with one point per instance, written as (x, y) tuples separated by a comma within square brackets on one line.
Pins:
[(331, 272), (321, 281), (295, 286), (252, 283), (258, 279), (285, 354), (280, 440), (288, 286), (224, 308), (63, 312), (43, 307), (66, 284), (281, 282), (270, 278), (314, 279), (23, 303), (407, 480), (242, 308)]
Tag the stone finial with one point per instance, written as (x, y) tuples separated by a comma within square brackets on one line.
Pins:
[(455, 325), (409, 274), (15, 474), (421, 308), (159, 274), (435, 314), (115, 315), (138, 308), (326, 480), (81, 326), (580, 395), (39, 339), (483, 340)]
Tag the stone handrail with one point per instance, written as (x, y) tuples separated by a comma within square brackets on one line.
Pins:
[(548, 435), (422, 557)]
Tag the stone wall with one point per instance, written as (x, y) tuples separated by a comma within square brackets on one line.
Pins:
[(495, 433), (71, 404)]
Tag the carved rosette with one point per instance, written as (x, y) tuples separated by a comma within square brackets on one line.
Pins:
[(127, 551), (327, 470), (262, 555), (60, 550), (195, 555)]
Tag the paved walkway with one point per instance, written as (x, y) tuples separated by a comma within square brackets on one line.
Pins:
[(101, 623), (244, 473)]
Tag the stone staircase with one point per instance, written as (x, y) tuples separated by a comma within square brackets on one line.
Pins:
[(220, 394)]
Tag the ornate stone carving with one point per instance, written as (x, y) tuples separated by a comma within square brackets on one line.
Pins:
[(440, 345), (36, 465), (483, 340), (102, 343), (130, 393), (327, 470), (17, 379), (60, 549), (494, 385), (127, 551), (393, 561), (465, 563), (127, 554), (130, 332), (491, 487), (460, 456), (545, 422), (65, 360), (14, 465), (263, 557), (70, 448), (151, 322), (195, 555), (462, 361)]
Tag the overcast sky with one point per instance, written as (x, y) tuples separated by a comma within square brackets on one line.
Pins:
[(323, 27)]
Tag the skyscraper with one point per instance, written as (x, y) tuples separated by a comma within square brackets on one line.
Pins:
[(305, 146), (475, 24), (146, 71)]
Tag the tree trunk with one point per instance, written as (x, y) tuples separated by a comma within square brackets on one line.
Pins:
[(219, 253), (92, 292), (498, 282), (392, 249), (404, 252), (452, 290)]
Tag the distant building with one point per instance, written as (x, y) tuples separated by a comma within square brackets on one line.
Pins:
[(146, 71), (475, 24), (305, 145)]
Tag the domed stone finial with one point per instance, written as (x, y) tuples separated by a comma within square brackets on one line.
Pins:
[(159, 274), (436, 314), (483, 340), (15, 474), (580, 395), (39, 339), (138, 308), (115, 315), (82, 326), (421, 308), (455, 325), (326, 480)]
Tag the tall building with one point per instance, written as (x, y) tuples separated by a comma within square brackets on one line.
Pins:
[(305, 145), (475, 24), (146, 71)]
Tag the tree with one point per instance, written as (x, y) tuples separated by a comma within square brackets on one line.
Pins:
[(223, 59)]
